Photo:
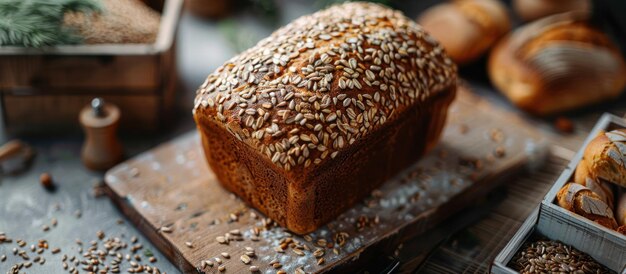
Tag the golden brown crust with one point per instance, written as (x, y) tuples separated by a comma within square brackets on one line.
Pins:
[(318, 84), (549, 65), (620, 210), (311, 119), (326, 190), (601, 188), (479, 23), (529, 10), (121, 22), (605, 157), (582, 201)]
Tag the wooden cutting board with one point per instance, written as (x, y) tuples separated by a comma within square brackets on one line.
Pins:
[(171, 186)]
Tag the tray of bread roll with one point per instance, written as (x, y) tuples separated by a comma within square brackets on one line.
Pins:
[(582, 217)]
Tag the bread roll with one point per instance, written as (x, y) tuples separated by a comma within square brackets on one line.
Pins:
[(582, 201), (603, 189), (556, 64), (605, 157), (466, 28), (620, 210), (121, 22), (310, 120), (529, 10)]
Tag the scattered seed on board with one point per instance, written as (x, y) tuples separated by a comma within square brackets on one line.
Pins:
[(221, 240), (245, 259), (166, 229), (189, 244), (298, 252), (134, 172), (254, 268), (221, 268), (225, 255)]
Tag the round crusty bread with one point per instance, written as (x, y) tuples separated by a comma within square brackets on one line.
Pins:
[(529, 10), (605, 157), (120, 22), (466, 28), (582, 201), (313, 118), (551, 65), (583, 177)]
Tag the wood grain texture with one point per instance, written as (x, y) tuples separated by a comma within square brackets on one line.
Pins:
[(172, 186), (57, 81)]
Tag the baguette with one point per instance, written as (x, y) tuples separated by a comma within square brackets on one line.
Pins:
[(582, 201)]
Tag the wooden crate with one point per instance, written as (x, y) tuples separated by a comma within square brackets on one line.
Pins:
[(43, 89), (550, 220)]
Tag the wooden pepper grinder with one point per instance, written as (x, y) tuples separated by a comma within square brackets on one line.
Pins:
[(101, 150)]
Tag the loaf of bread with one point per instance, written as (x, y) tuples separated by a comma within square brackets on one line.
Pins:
[(313, 118), (605, 157), (466, 28), (582, 201), (120, 22), (556, 64), (529, 10), (602, 188)]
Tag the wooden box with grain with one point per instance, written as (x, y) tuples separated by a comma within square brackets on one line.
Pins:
[(43, 89), (551, 221)]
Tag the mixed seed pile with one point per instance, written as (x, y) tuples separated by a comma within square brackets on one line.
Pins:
[(544, 256), (324, 81), (101, 255)]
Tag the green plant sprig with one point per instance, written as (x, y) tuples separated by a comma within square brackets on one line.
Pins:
[(37, 23)]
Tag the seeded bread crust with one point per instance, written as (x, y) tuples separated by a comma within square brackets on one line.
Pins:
[(312, 118)]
